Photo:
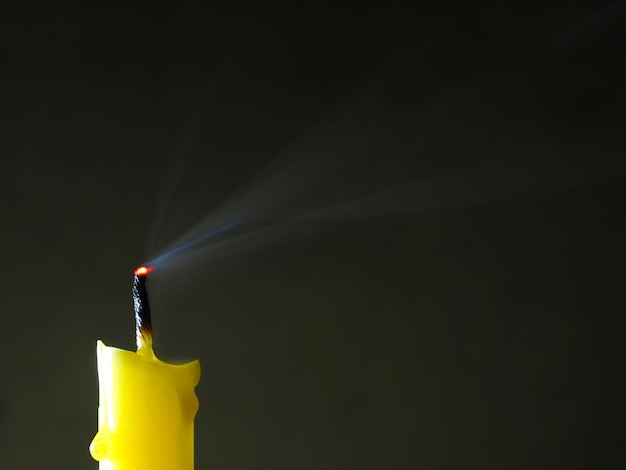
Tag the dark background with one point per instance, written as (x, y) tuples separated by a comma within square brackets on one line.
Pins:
[(479, 325)]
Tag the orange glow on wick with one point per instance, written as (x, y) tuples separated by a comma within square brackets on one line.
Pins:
[(143, 270)]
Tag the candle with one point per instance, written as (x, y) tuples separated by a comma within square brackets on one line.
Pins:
[(147, 406)]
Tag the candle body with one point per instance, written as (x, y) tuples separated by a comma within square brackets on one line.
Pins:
[(146, 412)]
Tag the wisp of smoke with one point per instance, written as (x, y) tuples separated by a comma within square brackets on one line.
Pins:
[(371, 156)]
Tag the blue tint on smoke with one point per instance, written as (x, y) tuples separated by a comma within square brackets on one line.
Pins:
[(196, 241)]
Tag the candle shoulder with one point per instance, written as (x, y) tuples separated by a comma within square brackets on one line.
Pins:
[(125, 358)]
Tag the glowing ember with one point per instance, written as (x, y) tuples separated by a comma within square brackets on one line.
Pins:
[(143, 271)]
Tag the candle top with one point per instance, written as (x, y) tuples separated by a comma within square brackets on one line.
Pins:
[(147, 406)]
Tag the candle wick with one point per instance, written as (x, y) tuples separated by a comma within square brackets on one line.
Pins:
[(143, 320)]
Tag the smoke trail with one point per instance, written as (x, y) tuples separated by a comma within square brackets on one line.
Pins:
[(374, 155), (189, 245)]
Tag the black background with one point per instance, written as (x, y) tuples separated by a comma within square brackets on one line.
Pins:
[(477, 326)]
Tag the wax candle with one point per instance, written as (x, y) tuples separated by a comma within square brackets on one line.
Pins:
[(147, 406)]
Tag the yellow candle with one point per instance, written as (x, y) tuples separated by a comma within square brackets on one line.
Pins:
[(147, 408)]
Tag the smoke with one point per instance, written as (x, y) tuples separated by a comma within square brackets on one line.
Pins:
[(391, 148)]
